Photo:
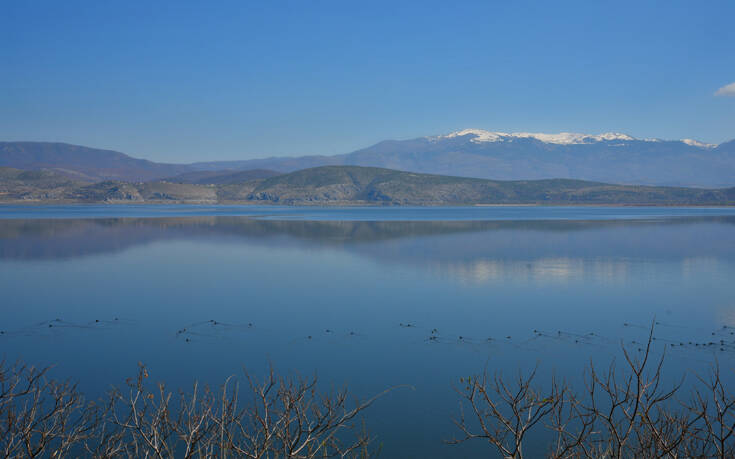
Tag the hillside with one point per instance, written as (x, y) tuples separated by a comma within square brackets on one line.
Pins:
[(83, 163), (351, 185), (151, 192), (386, 186), (16, 184), (223, 177)]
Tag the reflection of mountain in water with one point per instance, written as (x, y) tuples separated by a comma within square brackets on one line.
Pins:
[(599, 269), (474, 251)]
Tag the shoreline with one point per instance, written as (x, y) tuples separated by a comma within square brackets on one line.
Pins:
[(32, 203)]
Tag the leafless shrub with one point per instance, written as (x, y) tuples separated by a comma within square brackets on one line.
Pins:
[(716, 408), (38, 417), (505, 412), (287, 417), (620, 413)]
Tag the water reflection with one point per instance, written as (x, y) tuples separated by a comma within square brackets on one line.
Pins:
[(468, 251), (367, 303), (539, 270), (57, 238)]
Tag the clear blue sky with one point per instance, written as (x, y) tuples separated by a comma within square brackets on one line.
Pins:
[(184, 81)]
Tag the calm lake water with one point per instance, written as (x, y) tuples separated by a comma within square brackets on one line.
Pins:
[(478, 273)]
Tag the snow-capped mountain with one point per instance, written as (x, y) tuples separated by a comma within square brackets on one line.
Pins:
[(697, 143), (562, 138), (609, 157)]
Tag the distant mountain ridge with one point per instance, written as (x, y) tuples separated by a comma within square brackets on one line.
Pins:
[(608, 158), (84, 163)]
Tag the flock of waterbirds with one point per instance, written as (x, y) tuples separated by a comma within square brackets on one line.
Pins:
[(54, 325), (675, 337)]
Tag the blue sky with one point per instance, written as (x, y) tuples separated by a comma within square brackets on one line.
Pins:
[(184, 81)]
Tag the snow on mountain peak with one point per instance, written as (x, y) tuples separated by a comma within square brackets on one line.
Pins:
[(562, 138), (565, 138), (480, 135), (697, 143)]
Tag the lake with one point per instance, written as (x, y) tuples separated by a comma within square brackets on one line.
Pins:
[(353, 294)]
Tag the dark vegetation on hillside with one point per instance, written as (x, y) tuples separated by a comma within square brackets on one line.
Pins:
[(223, 177)]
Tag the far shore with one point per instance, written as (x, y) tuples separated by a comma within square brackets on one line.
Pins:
[(29, 202)]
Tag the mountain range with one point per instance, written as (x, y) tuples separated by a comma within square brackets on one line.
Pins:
[(611, 158), (608, 158)]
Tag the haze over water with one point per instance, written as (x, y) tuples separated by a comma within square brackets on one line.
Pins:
[(354, 294)]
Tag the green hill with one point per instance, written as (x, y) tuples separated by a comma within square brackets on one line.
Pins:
[(16, 184), (352, 185), (223, 177), (385, 186)]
